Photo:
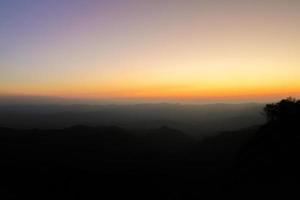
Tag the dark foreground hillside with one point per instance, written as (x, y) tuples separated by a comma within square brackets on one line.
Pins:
[(84, 162)]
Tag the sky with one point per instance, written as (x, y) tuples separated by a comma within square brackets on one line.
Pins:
[(162, 50)]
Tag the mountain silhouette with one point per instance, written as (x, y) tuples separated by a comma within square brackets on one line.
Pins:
[(271, 157), (82, 162)]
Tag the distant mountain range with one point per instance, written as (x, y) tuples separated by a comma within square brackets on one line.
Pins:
[(196, 120)]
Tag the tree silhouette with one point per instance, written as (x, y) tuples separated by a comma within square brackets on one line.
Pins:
[(286, 109)]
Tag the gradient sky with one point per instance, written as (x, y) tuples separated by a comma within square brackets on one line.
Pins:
[(162, 50)]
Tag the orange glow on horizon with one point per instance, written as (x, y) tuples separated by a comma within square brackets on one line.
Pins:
[(174, 92)]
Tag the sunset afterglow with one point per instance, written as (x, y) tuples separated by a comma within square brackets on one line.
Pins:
[(162, 50)]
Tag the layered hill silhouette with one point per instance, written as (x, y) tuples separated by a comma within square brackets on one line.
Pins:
[(109, 162)]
